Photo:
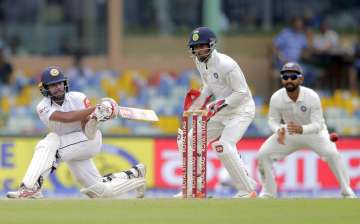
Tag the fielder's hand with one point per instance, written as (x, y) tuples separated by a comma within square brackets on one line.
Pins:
[(281, 136), (294, 128), (106, 110), (215, 107)]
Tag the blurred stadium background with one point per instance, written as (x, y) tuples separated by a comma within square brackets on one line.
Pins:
[(135, 52)]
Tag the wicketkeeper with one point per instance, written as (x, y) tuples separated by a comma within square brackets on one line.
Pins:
[(230, 113)]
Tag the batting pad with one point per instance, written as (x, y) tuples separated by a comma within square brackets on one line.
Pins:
[(233, 164), (42, 160), (113, 188)]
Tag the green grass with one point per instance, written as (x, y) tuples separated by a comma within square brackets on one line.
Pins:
[(173, 211)]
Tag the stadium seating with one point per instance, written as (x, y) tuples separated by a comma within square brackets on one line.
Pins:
[(161, 91)]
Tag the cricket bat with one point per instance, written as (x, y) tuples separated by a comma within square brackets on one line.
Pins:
[(138, 114)]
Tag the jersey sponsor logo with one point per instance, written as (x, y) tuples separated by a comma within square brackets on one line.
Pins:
[(87, 103), (303, 108), (44, 110)]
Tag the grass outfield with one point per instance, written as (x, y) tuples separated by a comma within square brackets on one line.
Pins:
[(173, 211)]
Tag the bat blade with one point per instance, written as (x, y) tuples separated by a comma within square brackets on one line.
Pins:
[(138, 114)]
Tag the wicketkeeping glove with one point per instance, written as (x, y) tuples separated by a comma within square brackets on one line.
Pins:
[(190, 97), (215, 107)]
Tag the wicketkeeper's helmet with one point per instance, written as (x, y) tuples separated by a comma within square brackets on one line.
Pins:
[(202, 35)]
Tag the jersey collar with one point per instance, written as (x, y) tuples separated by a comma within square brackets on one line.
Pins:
[(210, 61), (65, 100), (300, 98), (301, 94), (212, 58)]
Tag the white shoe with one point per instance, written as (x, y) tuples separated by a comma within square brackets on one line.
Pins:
[(140, 191), (244, 194), (178, 195), (25, 193), (265, 195), (349, 195)]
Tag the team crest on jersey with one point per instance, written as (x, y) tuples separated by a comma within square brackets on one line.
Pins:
[(54, 72), (195, 36), (303, 108), (216, 75)]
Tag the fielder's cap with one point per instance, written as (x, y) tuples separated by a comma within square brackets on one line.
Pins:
[(291, 67)]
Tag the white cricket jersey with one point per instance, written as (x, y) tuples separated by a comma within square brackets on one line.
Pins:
[(306, 111), (73, 101), (223, 78)]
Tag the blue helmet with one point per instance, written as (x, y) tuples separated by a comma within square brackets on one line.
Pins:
[(51, 75), (202, 35)]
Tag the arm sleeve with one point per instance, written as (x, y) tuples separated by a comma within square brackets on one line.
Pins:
[(316, 117), (274, 116), (240, 91)]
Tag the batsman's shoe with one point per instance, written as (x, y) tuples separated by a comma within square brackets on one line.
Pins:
[(140, 191), (244, 194), (25, 193), (265, 195)]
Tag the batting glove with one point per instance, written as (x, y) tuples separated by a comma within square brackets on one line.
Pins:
[(106, 110)]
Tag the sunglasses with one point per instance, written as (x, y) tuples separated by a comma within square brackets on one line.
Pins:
[(291, 76)]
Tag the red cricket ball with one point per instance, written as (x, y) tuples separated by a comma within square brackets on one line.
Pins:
[(334, 137)]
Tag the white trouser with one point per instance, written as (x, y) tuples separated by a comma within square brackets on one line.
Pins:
[(320, 143), (74, 148), (78, 155), (77, 151), (229, 130), (42, 162)]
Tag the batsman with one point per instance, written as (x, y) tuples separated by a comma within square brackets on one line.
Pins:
[(230, 113), (74, 138)]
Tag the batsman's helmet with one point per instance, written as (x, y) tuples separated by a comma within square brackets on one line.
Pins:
[(291, 67), (202, 35), (51, 75)]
